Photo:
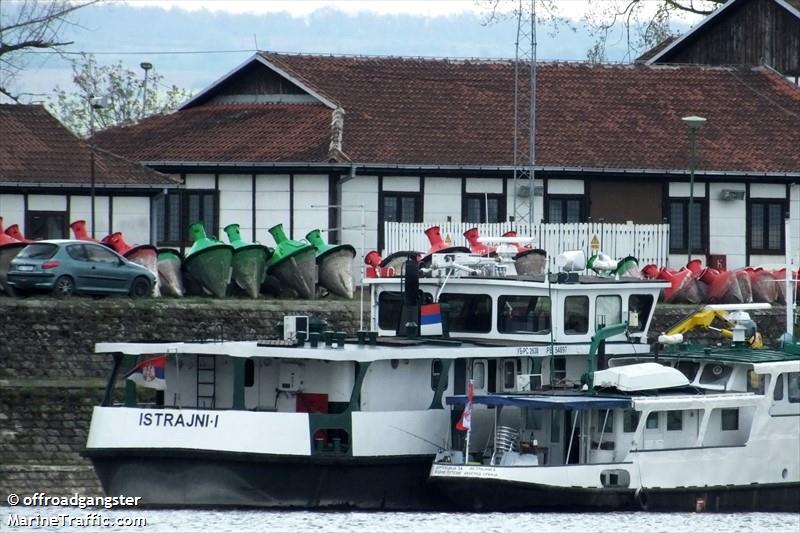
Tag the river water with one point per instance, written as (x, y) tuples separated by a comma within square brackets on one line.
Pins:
[(158, 521)]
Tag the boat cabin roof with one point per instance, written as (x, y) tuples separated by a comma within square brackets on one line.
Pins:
[(535, 278), (576, 402), (387, 348)]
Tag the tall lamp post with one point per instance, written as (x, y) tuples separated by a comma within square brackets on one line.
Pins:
[(694, 123), (146, 67), (95, 102)]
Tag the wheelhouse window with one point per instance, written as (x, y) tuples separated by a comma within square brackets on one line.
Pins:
[(481, 208), (777, 394), (652, 421), (576, 315), (468, 313), (523, 315), (679, 225), (756, 383), (767, 226), (630, 420), (46, 225), (402, 207), (674, 420), (565, 209), (607, 311), (714, 374), (389, 304), (199, 205), (605, 421), (793, 388), (730, 419), (688, 368), (639, 308)]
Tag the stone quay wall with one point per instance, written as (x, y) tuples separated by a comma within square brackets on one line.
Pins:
[(50, 378)]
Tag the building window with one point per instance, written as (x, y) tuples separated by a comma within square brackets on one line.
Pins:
[(730, 419), (679, 225), (674, 420), (46, 225), (564, 209), (402, 207), (480, 208), (200, 207), (766, 226)]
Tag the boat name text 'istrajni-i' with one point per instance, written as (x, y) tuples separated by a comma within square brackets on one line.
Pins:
[(178, 420)]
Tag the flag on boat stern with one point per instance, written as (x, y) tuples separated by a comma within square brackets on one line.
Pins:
[(430, 319), (150, 373), (465, 422)]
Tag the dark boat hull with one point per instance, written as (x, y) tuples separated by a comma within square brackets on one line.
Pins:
[(182, 478), (493, 495)]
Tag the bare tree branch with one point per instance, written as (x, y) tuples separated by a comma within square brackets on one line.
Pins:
[(31, 25)]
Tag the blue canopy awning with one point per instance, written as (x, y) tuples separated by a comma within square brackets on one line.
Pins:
[(575, 402)]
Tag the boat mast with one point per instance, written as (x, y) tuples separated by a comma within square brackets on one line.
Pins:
[(790, 286)]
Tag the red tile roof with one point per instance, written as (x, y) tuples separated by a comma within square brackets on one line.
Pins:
[(460, 112), (37, 148), (232, 132)]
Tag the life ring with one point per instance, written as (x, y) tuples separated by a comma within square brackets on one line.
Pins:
[(641, 498)]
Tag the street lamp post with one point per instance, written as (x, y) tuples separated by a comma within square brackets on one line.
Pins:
[(95, 102), (146, 67), (693, 123)]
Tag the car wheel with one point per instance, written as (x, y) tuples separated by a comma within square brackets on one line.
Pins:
[(64, 286), (140, 288)]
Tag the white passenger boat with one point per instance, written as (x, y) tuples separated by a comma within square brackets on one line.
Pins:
[(693, 429), (349, 423)]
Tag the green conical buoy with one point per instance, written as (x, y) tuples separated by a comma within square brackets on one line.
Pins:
[(334, 264), (208, 262), (249, 261), (293, 263)]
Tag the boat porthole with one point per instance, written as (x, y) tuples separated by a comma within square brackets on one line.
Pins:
[(717, 370), (394, 362), (785, 473)]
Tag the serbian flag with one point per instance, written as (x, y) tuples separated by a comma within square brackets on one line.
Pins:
[(466, 418), (150, 373), (430, 319)]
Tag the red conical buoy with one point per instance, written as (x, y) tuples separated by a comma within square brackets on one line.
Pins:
[(475, 246), (79, 229), (695, 265), (650, 271), (14, 231), (435, 238), (117, 242)]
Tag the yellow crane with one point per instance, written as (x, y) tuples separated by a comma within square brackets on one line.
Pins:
[(731, 316)]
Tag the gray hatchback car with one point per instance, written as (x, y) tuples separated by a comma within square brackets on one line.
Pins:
[(64, 267)]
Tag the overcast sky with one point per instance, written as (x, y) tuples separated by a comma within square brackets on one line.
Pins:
[(192, 43)]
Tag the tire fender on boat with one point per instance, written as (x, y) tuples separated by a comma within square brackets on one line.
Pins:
[(641, 498)]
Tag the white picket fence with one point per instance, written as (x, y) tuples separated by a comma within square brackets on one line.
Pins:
[(649, 243)]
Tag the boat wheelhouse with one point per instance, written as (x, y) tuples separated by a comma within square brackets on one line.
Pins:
[(715, 429)]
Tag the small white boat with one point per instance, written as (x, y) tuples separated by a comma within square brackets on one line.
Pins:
[(708, 429)]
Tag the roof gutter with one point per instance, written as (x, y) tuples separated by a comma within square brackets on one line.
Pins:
[(131, 186), (365, 168)]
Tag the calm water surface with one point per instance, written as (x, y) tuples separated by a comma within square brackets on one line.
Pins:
[(247, 520)]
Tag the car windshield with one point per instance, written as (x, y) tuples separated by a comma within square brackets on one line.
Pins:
[(38, 251)]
